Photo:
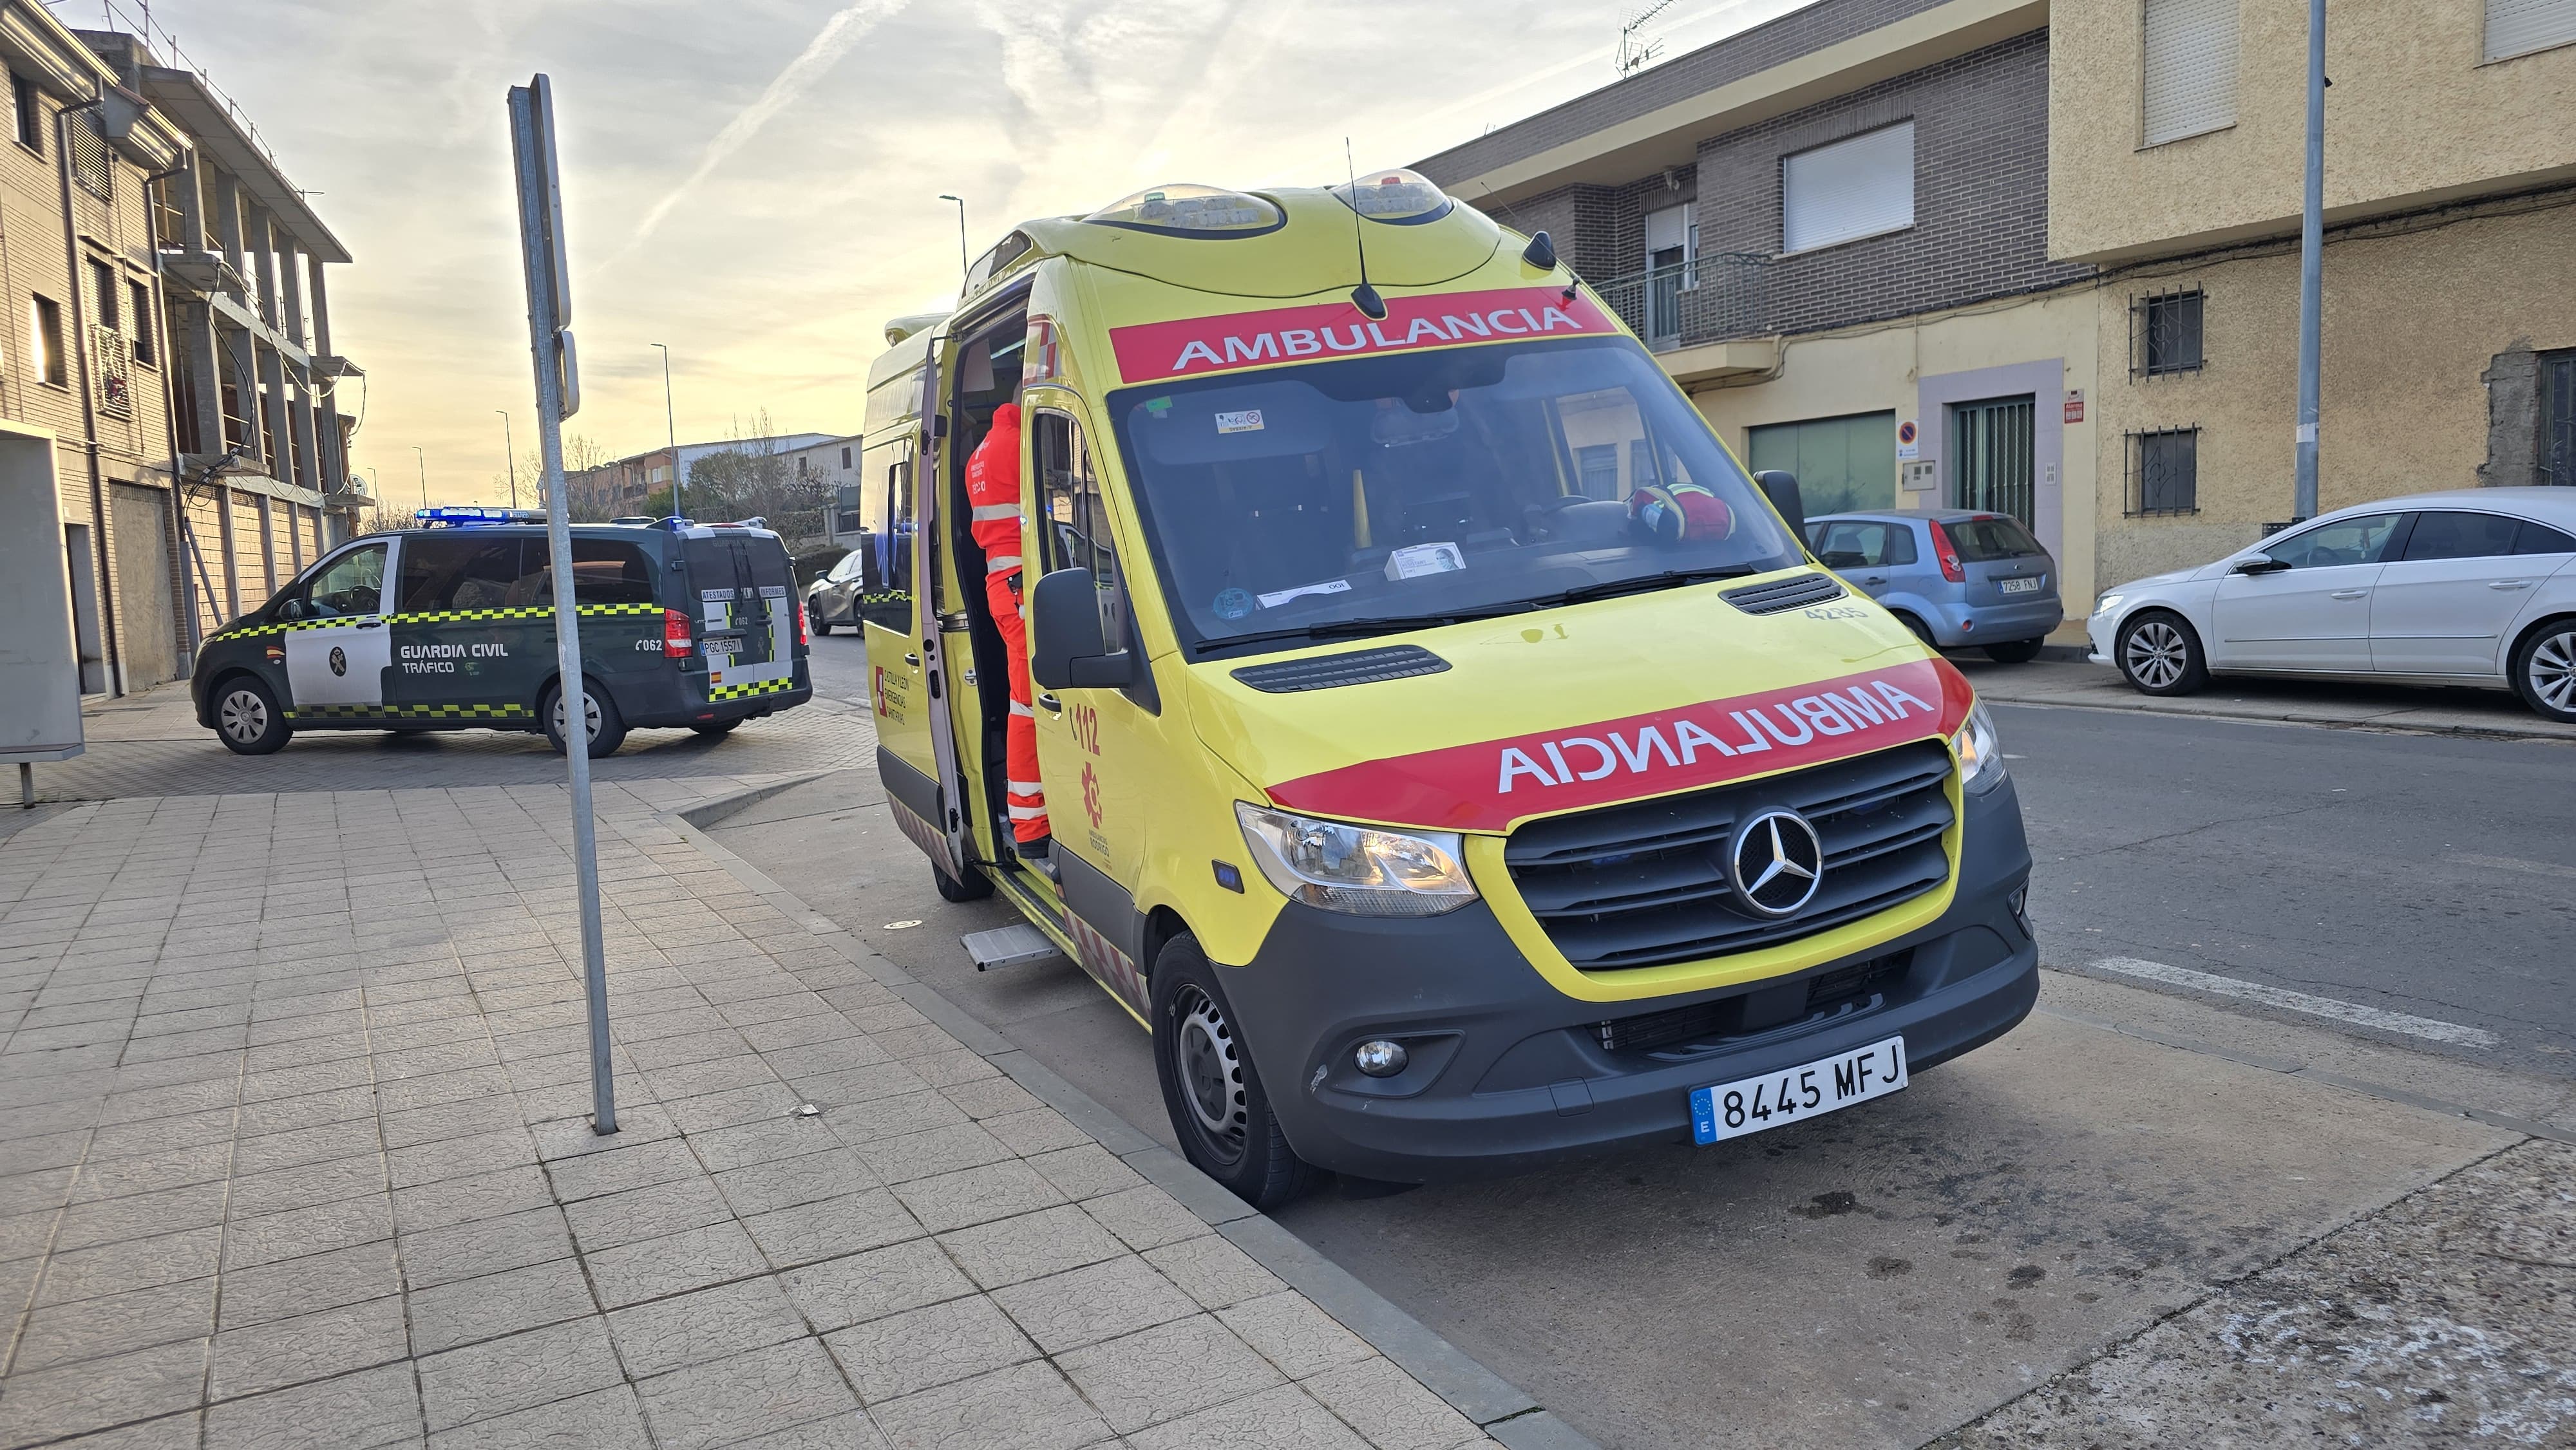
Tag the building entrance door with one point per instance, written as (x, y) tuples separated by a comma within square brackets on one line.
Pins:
[(1990, 457)]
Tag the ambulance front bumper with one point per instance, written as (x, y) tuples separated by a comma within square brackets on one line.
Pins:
[(1506, 1073)]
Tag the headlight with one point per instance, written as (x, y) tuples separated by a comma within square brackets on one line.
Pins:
[(1981, 756), (1356, 869), (2108, 603)]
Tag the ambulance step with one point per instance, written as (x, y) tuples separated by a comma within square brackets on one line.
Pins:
[(1007, 946)]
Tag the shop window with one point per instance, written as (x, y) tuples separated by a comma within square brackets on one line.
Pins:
[(2164, 472), (2165, 333), (2190, 69)]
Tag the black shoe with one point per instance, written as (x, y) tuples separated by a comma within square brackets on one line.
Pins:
[(1037, 856)]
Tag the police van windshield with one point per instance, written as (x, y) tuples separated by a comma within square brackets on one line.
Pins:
[(1374, 495)]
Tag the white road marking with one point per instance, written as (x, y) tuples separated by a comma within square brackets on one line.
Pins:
[(2424, 1027), (2516, 863)]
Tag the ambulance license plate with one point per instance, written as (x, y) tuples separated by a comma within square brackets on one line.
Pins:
[(1733, 1109), (2020, 586)]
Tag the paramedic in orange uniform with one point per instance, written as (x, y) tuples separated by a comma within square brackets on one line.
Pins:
[(993, 492)]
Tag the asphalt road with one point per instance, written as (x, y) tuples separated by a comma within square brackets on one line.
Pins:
[(1881, 1276), (2431, 877)]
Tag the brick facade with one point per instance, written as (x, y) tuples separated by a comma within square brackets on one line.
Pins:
[(1980, 201)]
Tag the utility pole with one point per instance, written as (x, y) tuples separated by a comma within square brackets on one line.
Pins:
[(509, 454), (2312, 265), (423, 460), (671, 426), (963, 265)]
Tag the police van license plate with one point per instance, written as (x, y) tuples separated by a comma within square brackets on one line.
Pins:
[(1733, 1109), (2020, 586)]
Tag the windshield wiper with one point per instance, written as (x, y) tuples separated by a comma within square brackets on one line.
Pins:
[(1340, 628), (1638, 584)]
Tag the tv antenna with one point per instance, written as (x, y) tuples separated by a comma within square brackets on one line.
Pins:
[(1635, 52)]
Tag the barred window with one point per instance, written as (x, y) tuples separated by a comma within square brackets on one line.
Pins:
[(2164, 472), (2165, 333)]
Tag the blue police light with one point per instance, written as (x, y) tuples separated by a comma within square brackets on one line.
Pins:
[(463, 516)]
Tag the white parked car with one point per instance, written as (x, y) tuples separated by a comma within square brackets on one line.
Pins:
[(2471, 587)]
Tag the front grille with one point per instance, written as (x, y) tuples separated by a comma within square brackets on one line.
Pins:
[(1644, 884), (1784, 594), (1826, 991)]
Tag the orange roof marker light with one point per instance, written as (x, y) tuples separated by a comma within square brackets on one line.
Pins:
[(1399, 198), (1186, 210)]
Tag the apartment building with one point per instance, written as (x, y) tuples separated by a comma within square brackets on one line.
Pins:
[(622, 485), (256, 412), (2449, 361), (88, 362), (1973, 252), (832, 466)]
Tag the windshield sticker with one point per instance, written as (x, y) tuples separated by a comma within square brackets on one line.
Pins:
[(1293, 334), (1491, 785), (1247, 421), (1414, 560), (1234, 604), (1329, 586)]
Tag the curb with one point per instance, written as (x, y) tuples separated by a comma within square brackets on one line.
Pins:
[(1494, 1404)]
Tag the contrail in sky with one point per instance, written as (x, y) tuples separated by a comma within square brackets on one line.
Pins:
[(844, 30)]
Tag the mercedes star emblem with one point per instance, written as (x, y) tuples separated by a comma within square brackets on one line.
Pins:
[(1775, 863)]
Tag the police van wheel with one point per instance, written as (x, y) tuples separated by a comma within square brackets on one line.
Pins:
[(247, 718), (974, 887), (607, 727), (1219, 1109)]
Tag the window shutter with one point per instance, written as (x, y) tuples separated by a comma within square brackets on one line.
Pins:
[(2519, 27), (2190, 68), (1852, 188)]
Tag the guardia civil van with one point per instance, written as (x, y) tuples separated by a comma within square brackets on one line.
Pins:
[(451, 626), (1456, 760)]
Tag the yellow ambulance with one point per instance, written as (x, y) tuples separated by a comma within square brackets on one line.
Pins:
[(1455, 761)]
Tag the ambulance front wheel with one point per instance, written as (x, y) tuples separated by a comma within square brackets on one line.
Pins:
[(1219, 1109), (599, 712), (247, 718)]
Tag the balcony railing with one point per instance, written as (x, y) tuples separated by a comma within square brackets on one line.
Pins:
[(113, 353), (1713, 297)]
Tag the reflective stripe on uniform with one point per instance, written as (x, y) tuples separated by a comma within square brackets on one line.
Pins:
[(991, 511), (1024, 787), (1028, 813), (1019, 709), (1001, 563)]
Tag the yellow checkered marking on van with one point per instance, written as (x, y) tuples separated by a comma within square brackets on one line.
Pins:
[(532, 611), (756, 687), (412, 712)]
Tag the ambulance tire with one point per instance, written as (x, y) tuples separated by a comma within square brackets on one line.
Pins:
[(247, 718), (975, 887), (609, 734), (1218, 1107)]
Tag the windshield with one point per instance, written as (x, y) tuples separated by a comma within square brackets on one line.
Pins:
[(1387, 493)]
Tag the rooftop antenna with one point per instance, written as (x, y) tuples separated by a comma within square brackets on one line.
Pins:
[(1363, 296), (1633, 52)]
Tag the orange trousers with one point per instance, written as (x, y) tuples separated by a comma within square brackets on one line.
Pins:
[(1020, 752)]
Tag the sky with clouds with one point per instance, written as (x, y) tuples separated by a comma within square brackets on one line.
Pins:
[(755, 182)]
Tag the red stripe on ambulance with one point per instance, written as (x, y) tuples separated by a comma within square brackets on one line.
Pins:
[(1338, 329), (1489, 785)]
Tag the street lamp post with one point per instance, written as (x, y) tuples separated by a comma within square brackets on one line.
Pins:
[(423, 460), (671, 430), (2312, 265), (963, 265), (509, 455)]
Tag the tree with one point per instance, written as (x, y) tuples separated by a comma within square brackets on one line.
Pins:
[(753, 479)]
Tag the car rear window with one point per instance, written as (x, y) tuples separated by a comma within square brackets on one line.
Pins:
[(1990, 537)]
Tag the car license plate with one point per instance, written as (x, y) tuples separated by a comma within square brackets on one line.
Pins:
[(2020, 586), (724, 646), (1733, 1109)]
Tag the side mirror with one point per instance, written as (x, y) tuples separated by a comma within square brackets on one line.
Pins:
[(2259, 564), (1070, 651), (1782, 489), (291, 609)]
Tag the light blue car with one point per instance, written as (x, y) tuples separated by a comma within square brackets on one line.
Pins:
[(1959, 578)]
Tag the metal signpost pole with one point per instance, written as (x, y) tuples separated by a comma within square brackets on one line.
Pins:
[(509, 455), (2312, 264), (671, 428), (541, 241)]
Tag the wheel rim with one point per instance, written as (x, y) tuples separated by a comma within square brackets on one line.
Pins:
[(243, 716), (589, 715), (1211, 1072), (2552, 671), (2156, 654)]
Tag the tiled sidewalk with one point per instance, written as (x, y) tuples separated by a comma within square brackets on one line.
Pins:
[(294, 1151)]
